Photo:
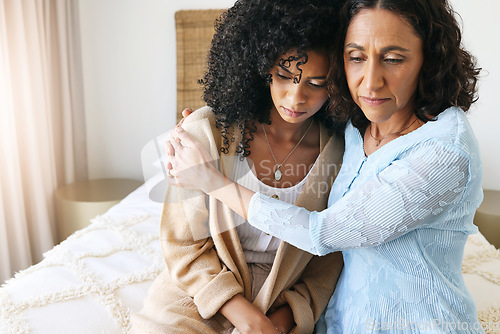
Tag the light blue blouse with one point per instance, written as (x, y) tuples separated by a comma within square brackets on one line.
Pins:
[(401, 217)]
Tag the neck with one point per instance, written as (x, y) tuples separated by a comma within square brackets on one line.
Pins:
[(393, 125)]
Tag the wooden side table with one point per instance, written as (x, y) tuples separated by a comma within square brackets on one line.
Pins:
[(487, 217), (79, 202)]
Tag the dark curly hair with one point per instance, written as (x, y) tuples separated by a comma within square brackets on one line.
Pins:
[(448, 76), (248, 40)]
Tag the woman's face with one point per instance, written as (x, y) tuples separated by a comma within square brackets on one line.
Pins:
[(296, 101), (382, 59)]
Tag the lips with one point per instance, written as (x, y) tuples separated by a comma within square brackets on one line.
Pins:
[(374, 101), (292, 113)]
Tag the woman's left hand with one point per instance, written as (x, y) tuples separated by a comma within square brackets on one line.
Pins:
[(190, 165)]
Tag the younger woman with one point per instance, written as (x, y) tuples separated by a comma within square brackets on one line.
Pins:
[(265, 86)]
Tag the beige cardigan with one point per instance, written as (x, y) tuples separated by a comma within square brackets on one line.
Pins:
[(203, 253)]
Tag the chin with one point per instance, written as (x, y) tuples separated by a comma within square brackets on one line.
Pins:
[(294, 120), (376, 116), (297, 120)]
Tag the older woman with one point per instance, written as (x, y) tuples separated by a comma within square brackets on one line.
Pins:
[(403, 204)]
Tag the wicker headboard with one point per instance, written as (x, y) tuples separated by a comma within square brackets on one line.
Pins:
[(194, 30)]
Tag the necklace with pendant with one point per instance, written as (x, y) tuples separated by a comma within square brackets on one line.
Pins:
[(277, 173)]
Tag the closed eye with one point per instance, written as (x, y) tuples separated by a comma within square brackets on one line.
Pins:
[(394, 60), (317, 85), (284, 77)]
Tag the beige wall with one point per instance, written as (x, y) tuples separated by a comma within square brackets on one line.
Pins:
[(128, 50)]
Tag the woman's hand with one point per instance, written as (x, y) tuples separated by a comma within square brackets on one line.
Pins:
[(168, 147), (247, 318), (282, 318), (190, 166), (189, 163)]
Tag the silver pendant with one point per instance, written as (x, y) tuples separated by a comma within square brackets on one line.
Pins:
[(277, 174)]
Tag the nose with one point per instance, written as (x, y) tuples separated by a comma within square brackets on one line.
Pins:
[(373, 78), (297, 93)]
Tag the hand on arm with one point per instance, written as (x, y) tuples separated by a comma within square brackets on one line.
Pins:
[(169, 148), (192, 167)]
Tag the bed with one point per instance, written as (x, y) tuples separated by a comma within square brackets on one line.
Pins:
[(94, 280)]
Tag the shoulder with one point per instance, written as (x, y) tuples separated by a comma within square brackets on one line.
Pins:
[(448, 145), (201, 126), (326, 135), (448, 140), (331, 144), (351, 131), (452, 128), (203, 115), (201, 123)]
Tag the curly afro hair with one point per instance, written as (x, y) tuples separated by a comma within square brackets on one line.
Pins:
[(249, 38), (448, 76)]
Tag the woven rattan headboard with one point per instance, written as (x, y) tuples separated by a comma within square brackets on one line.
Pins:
[(194, 30)]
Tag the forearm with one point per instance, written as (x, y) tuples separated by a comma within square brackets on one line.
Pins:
[(232, 194), (238, 198), (413, 192)]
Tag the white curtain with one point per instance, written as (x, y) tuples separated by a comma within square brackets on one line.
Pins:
[(42, 129)]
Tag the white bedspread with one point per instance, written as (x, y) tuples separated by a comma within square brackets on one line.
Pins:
[(92, 281), (95, 279)]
